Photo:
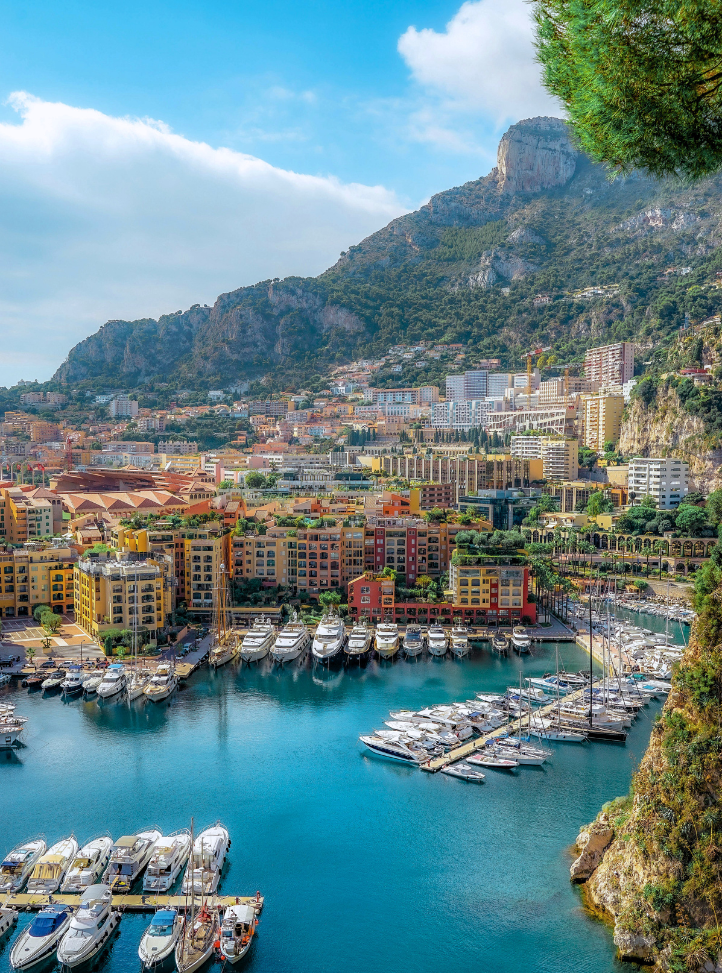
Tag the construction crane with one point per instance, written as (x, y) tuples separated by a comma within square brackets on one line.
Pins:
[(529, 356)]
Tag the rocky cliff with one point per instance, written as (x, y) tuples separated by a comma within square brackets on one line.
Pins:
[(466, 267), (651, 863)]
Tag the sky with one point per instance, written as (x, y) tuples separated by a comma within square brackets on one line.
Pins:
[(154, 155)]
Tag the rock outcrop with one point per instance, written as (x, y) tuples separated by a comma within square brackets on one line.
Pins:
[(535, 154), (591, 844)]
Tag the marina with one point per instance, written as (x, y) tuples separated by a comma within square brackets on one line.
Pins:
[(276, 746)]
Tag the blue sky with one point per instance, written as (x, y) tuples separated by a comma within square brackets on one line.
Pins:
[(162, 153)]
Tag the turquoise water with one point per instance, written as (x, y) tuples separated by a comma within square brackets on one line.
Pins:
[(366, 865)]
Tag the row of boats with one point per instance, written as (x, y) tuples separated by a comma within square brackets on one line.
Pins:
[(102, 868), (331, 641), (132, 682)]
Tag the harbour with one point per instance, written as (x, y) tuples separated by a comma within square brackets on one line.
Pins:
[(317, 821)]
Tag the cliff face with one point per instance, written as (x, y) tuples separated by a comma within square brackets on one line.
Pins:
[(535, 154), (652, 862), (664, 428)]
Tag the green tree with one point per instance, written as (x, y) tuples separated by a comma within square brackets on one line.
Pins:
[(255, 480), (691, 521), (50, 621), (599, 504), (329, 599), (30, 653), (226, 484), (641, 80), (713, 507), (39, 612)]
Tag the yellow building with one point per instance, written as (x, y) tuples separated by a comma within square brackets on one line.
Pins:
[(500, 590), (29, 578), (196, 554), (114, 592), (602, 419), (24, 518)]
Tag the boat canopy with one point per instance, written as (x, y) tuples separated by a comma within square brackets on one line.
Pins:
[(164, 917)]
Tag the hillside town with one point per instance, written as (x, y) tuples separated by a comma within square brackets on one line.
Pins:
[(362, 496)]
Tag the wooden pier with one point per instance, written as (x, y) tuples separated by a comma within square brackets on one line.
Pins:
[(128, 903), (471, 746)]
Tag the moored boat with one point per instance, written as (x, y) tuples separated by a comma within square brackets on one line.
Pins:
[(459, 641), (257, 641), (12, 726), (393, 749), (499, 642), (8, 918), (291, 642), (113, 682), (169, 856), (50, 869), (90, 928), (387, 640), (413, 644), (162, 684), (464, 771), (330, 637), (72, 684), (159, 940), (19, 863), (88, 865), (490, 760), (237, 932), (437, 642), (128, 858), (208, 855), (39, 941), (359, 641), (521, 640), (197, 943)]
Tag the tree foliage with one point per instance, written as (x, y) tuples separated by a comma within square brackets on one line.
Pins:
[(640, 80)]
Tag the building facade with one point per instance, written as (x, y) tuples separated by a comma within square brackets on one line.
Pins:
[(30, 578), (124, 592), (602, 419), (666, 480), (610, 364)]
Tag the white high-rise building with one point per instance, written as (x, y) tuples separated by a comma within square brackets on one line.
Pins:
[(462, 414), (497, 384), (470, 385), (667, 480), (610, 364)]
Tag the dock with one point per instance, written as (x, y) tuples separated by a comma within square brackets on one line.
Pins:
[(128, 903), (472, 746)]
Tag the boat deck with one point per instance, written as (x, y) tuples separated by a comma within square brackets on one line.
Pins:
[(471, 746), (128, 903)]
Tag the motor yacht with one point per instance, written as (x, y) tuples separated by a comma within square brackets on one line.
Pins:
[(198, 941), (90, 928), (8, 918), (387, 639), (88, 865), (493, 761), (291, 642), (413, 641), (113, 682), (18, 864), (53, 681), (464, 771), (203, 872), (49, 871), (72, 684), (169, 856), (12, 726), (393, 749), (129, 856), (499, 642), (237, 932), (460, 644), (520, 640), (257, 641), (437, 640), (162, 684), (40, 940), (328, 642), (159, 940), (223, 651), (92, 681), (359, 641)]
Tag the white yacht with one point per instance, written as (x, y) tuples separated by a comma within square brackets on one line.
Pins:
[(72, 684), (459, 641), (520, 639), (237, 932), (159, 940), (114, 682), (257, 641), (88, 865), (291, 642), (53, 681), (387, 639), (169, 856), (162, 684), (50, 869), (129, 856), (393, 749), (413, 641), (437, 640), (8, 918), (359, 641), (329, 639), (91, 682), (90, 928), (40, 939), (11, 726), (223, 651), (137, 681), (18, 864), (204, 868)]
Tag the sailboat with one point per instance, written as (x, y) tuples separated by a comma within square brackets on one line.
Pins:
[(137, 679), (200, 932), (225, 644)]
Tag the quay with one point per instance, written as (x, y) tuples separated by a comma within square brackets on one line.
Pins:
[(128, 903), (471, 746)]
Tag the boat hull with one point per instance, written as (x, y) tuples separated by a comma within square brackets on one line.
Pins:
[(71, 961)]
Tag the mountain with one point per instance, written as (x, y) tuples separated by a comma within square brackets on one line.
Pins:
[(466, 267)]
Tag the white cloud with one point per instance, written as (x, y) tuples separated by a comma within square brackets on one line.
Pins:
[(481, 65), (104, 217)]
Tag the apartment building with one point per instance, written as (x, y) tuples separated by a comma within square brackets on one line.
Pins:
[(44, 432), (423, 395), (571, 494), (500, 591), (196, 553), (601, 419), (24, 517), (468, 385), (270, 407), (462, 414), (468, 473), (667, 480), (123, 407), (556, 391), (497, 383), (123, 591), (29, 578), (610, 364)]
